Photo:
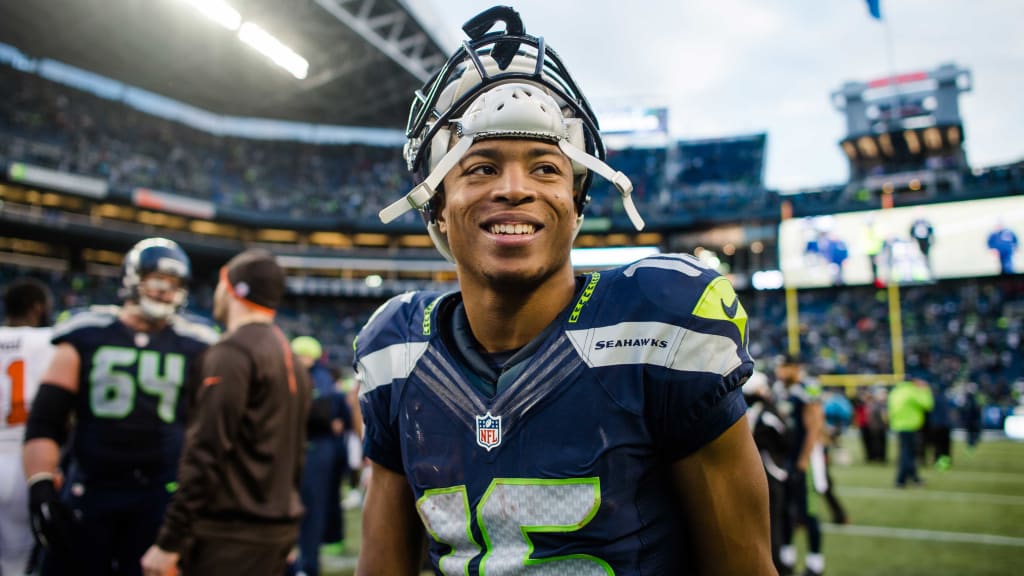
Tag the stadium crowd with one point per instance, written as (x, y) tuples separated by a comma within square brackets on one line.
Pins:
[(53, 126), (954, 332), (59, 127)]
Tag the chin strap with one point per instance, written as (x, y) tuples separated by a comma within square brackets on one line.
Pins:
[(620, 180), (418, 197), (155, 310)]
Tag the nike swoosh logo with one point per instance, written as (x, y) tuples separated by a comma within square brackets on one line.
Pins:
[(731, 309), (211, 380)]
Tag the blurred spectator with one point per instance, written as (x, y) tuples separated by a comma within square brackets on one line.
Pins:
[(878, 425), (334, 528), (971, 415), (908, 403), (327, 420), (940, 424), (923, 233), (806, 421), (838, 416), (773, 440), (1004, 243)]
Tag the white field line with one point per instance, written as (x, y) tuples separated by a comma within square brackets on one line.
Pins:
[(335, 563), (925, 494), (980, 475), (987, 476), (927, 535)]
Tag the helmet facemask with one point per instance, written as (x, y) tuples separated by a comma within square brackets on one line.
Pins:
[(155, 255), (500, 85), (157, 310)]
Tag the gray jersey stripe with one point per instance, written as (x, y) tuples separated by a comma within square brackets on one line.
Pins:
[(388, 364), (534, 377), (518, 410), (699, 352), (195, 330), (664, 264), (447, 396), (453, 377), (455, 398), (94, 317)]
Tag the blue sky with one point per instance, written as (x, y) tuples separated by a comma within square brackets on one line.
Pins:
[(727, 67)]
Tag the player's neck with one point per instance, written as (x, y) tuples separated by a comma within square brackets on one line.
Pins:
[(503, 321), (244, 316)]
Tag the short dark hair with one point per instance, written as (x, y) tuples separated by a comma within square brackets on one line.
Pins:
[(24, 293), (255, 276)]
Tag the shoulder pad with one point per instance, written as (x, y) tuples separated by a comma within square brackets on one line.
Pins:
[(669, 310), (406, 317), (83, 318), (678, 287), (394, 338), (195, 327)]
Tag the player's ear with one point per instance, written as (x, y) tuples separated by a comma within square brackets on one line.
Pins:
[(438, 211)]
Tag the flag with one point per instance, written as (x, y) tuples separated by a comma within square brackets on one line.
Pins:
[(875, 9)]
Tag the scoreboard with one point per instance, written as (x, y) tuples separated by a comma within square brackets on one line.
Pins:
[(904, 123)]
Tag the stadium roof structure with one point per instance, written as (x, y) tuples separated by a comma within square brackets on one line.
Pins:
[(366, 57)]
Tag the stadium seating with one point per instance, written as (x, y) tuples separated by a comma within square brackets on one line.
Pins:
[(691, 182)]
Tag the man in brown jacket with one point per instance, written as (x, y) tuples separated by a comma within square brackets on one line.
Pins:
[(237, 508)]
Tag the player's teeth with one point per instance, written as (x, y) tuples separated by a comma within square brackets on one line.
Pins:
[(512, 228)]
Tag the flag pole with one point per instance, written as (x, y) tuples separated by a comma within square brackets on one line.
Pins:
[(897, 102)]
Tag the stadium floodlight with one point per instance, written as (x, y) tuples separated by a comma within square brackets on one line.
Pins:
[(274, 49), (219, 11)]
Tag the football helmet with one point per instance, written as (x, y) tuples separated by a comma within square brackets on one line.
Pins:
[(502, 84), (149, 256)]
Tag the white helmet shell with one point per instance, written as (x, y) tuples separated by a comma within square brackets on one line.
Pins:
[(504, 85)]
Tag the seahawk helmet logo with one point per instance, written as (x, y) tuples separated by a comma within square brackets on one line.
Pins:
[(488, 431)]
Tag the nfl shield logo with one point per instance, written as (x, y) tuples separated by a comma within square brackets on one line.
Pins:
[(488, 431)]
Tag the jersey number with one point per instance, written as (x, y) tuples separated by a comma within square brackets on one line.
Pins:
[(112, 384), (509, 511), (15, 372)]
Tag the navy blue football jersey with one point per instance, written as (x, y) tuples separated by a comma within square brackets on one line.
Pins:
[(791, 406), (565, 468), (130, 411)]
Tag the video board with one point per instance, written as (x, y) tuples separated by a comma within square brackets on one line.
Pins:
[(908, 245)]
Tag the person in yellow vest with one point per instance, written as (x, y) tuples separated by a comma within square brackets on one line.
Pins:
[(909, 401), (873, 242)]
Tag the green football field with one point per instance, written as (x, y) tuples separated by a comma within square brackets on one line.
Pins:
[(968, 520)]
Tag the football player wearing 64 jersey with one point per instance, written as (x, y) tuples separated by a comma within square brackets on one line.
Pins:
[(535, 421), (120, 371), (25, 352)]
